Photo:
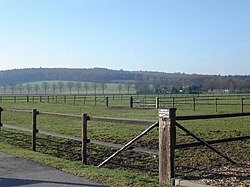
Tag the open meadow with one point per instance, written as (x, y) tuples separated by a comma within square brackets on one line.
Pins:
[(194, 163)]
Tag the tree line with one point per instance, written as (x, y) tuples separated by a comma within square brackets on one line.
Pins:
[(66, 88), (144, 81)]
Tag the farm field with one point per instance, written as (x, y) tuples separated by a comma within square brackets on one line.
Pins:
[(197, 163)]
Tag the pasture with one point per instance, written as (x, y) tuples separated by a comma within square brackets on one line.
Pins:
[(193, 163)]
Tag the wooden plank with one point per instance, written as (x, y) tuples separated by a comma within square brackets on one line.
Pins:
[(61, 115), (129, 144), (195, 144), (120, 120), (205, 143), (212, 116)]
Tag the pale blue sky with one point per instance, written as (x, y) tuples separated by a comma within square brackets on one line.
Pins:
[(191, 36)]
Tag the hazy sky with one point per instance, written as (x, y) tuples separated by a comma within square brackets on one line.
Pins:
[(191, 36)]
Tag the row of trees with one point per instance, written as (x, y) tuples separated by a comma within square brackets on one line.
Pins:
[(62, 87), (192, 83)]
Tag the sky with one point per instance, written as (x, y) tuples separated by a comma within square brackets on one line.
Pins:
[(186, 36)]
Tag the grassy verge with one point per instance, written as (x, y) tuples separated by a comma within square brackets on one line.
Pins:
[(113, 177)]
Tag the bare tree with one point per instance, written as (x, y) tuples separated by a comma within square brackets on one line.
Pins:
[(103, 86), (36, 88), (78, 86), (28, 87), (119, 88), (70, 85), (60, 86), (12, 87), (45, 86), (54, 86), (86, 87), (94, 86)]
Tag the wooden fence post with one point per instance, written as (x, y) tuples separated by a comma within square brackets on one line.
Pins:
[(84, 100), (84, 138), (95, 100), (173, 102), (74, 99), (40, 99), (131, 102), (34, 129), (194, 103), (1, 109), (107, 101), (242, 105), (48, 99), (27, 99), (216, 104), (14, 98), (157, 103), (65, 99), (167, 141)]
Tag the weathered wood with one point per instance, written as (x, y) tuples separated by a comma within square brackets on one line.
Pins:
[(120, 120), (195, 144), (216, 104), (107, 101), (34, 129), (84, 100), (173, 102), (61, 115), (84, 138), (131, 102), (212, 116), (157, 103), (1, 118), (242, 105), (27, 99), (194, 103), (129, 144), (167, 141), (205, 143)]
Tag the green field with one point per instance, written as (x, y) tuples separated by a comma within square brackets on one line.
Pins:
[(140, 164)]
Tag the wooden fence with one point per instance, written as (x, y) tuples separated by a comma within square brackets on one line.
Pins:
[(167, 124), (137, 101)]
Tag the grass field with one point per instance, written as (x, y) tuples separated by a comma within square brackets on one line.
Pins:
[(140, 164)]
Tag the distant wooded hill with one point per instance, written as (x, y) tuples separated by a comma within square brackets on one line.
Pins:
[(144, 81)]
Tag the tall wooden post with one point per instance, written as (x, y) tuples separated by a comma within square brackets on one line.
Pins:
[(107, 101), (157, 103), (167, 141), (27, 99), (84, 100), (84, 138), (1, 118), (65, 99), (216, 104), (194, 103), (173, 103), (131, 102), (34, 129), (95, 100), (242, 105)]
